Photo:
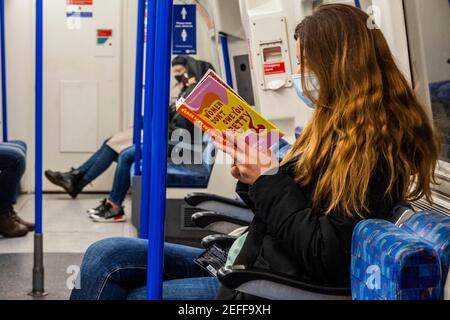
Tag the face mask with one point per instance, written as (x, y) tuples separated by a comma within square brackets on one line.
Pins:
[(311, 83), (180, 78)]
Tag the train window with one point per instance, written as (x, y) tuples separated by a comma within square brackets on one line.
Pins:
[(428, 23), (434, 23)]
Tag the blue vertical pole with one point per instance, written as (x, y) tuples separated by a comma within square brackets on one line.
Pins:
[(148, 117), (138, 86), (38, 268), (226, 58), (3, 61), (163, 42), (39, 98), (358, 3)]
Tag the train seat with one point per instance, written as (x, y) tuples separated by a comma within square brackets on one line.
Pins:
[(389, 263), (434, 229), (385, 256), (189, 175)]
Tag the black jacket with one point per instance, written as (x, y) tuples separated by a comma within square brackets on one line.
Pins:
[(287, 237)]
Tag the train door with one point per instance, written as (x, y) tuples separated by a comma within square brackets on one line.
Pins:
[(83, 77)]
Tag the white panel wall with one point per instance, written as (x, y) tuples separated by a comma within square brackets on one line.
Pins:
[(435, 24), (69, 55), (20, 68), (72, 55), (79, 104)]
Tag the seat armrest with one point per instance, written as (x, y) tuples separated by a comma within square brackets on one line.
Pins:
[(401, 214), (236, 276), (207, 218), (196, 199), (224, 241)]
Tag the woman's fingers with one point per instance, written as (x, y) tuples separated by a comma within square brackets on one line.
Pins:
[(222, 144), (235, 145), (235, 172)]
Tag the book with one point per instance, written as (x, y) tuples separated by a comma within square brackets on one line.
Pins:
[(213, 105)]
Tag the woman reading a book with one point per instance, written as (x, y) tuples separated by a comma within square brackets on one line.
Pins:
[(367, 142)]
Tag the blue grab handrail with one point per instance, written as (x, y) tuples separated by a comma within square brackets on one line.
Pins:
[(148, 117), (226, 58), (159, 145), (138, 86), (358, 3), (3, 62), (39, 126)]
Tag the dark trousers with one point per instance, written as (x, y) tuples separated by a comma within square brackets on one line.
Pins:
[(12, 168)]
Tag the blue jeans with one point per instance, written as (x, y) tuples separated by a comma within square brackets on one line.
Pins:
[(122, 183), (116, 269), (98, 163), (101, 161), (12, 168)]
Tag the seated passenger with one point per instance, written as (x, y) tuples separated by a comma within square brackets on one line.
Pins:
[(76, 180), (120, 149), (12, 168), (367, 142)]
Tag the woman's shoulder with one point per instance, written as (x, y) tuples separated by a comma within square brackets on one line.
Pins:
[(290, 167)]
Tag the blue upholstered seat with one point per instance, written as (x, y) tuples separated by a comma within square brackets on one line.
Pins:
[(191, 175), (389, 263), (434, 229)]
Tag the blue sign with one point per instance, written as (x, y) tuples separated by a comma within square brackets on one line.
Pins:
[(80, 14), (185, 29)]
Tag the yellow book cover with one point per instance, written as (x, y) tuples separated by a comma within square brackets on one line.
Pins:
[(214, 105)]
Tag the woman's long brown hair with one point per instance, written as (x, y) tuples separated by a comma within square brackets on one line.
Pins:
[(367, 114)]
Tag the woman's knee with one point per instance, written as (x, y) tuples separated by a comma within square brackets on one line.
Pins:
[(21, 144), (126, 156), (17, 160), (21, 163), (103, 249), (110, 252)]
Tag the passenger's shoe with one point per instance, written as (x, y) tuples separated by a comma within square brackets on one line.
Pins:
[(29, 225), (10, 228), (72, 182), (101, 208), (108, 214)]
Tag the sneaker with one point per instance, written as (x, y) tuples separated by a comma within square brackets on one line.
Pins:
[(101, 208), (109, 215)]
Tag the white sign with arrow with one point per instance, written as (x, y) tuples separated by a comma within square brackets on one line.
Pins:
[(184, 13)]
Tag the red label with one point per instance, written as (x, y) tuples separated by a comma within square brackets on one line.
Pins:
[(274, 68), (104, 33), (80, 2)]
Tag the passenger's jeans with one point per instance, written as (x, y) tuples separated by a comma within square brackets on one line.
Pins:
[(101, 161), (12, 168), (116, 269), (122, 183), (98, 163)]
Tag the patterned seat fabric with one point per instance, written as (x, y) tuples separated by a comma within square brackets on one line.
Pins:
[(434, 229), (389, 263)]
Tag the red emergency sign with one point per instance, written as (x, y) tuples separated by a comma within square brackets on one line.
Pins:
[(274, 68), (104, 33), (80, 2)]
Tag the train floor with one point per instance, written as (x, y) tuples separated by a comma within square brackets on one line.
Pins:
[(68, 232)]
